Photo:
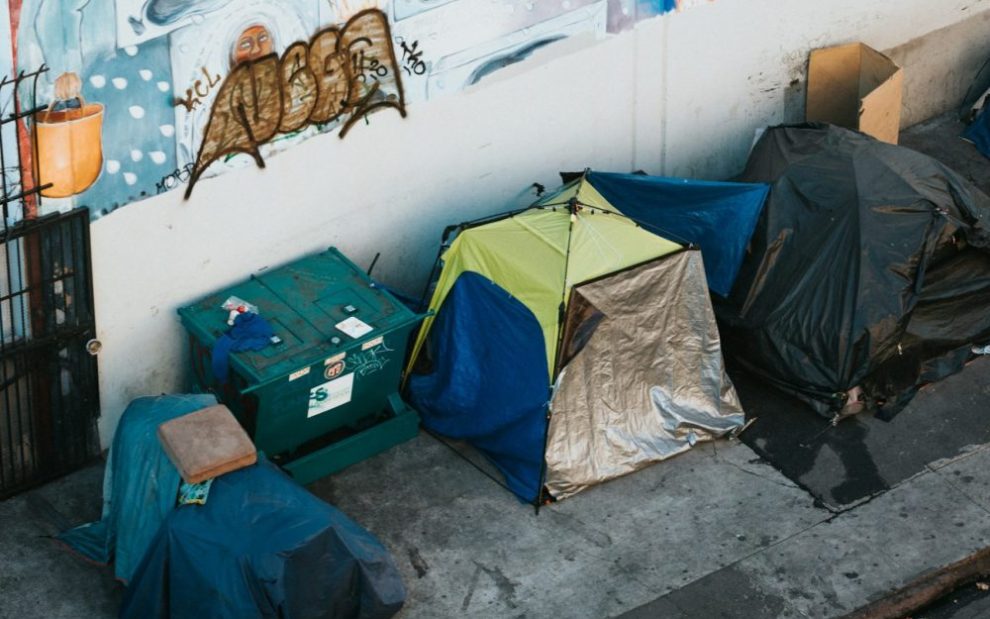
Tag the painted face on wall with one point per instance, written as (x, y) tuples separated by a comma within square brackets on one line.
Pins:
[(255, 42)]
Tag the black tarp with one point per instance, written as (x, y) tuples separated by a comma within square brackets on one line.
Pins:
[(869, 268), (262, 546)]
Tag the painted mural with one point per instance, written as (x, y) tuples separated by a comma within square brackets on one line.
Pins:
[(147, 96)]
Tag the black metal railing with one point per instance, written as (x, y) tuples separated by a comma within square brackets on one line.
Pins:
[(49, 390)]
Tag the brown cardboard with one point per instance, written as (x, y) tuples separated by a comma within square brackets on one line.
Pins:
[(206, 444), (856, 87)]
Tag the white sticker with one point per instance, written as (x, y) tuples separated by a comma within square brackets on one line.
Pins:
[(330, 395), (298, 374), (373, 342), (354, 327), (335, 358)]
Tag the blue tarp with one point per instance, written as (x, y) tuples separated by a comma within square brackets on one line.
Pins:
[(263, 546), (488, 383), (978, 132), (717, 217), (139, 485)]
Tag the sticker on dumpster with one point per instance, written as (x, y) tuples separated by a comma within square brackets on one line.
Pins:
[(333, 371), (299, 374), (335, 358), (373, 342), (330, 395), (354, 327)]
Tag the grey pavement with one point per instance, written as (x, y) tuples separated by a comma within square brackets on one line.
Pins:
[(40, 578), (712, 533), (841, 564)]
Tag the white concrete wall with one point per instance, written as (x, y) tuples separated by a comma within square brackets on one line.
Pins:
[(680, 95)]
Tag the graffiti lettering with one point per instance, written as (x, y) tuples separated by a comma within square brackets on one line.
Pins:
[(412, 62), (350, 70), (198, 91), (370, 361), (174, 179)]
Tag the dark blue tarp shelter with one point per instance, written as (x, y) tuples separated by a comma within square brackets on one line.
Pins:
[(718, 217), (263, 546), (139, 485), (978, 132)]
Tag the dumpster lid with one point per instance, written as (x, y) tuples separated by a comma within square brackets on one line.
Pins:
[(319, 306)]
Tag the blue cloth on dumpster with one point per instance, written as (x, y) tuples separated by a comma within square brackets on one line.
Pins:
[(263, 546), (978, 132), (250, 332), (139, 485)]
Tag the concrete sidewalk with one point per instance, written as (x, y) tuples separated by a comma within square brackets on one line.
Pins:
[(712, 533)]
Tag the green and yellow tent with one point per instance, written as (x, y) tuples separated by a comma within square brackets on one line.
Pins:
[(570, 345)]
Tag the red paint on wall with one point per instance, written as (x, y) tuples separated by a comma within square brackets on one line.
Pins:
[(23, 133)]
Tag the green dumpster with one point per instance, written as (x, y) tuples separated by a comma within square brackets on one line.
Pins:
[(324, 395)]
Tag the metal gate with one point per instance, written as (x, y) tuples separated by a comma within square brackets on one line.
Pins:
[(49, 392)]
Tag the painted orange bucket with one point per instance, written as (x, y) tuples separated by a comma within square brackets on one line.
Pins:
[(70, 149)]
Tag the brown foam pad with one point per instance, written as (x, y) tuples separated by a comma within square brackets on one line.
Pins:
[(206, 444)]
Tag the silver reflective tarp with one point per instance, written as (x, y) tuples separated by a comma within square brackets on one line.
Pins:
[(644, 378)]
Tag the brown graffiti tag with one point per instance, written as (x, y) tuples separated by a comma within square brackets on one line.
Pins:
[(194, 95), (340, 71)]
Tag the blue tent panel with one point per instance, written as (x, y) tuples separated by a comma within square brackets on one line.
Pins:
[(978, 132), (717, 217), (488, 382)]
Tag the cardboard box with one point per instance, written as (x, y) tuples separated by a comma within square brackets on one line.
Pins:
[(856, 87), (206, 444)]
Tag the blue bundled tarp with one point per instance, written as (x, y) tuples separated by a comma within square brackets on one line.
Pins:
[(263, 546), (717, 217), (978, 132), (139, 485)]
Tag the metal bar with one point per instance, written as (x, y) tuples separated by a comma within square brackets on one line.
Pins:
[(35, 160), (17, 141), (93, 381), (10, 433), (74, 278), (3, 155), (22, 355), (63, 336), (25, 227), (75, 364), (22, 75), (6, 412), (18, 401), (51, 248), (24, 194), (4, 348), (16, 116), (39, 406), (44, 316), (4, 354)]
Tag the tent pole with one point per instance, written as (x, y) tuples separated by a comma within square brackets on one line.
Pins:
[(572, 207), (460, 455), (429, 280), (543, 466)]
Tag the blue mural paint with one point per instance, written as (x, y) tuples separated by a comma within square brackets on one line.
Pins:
[(138, 129), (166, 12), (156, 65)]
